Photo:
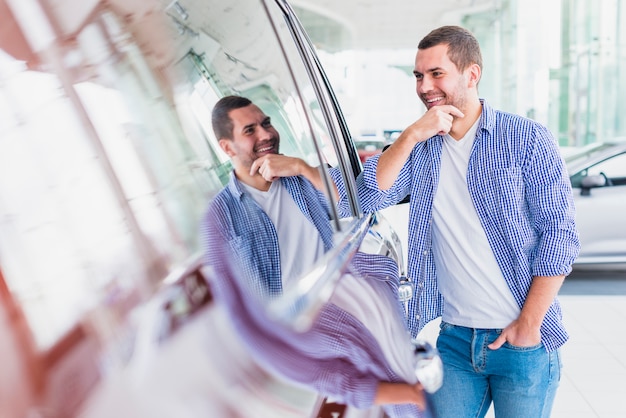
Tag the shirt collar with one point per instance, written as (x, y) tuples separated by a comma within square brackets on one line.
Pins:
[(487, 117), (234, 186)]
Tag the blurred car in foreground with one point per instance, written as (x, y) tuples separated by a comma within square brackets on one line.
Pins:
[(368, 146), (598, 175), (107, 164)]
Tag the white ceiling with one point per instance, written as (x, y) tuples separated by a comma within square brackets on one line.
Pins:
[(381, 24)]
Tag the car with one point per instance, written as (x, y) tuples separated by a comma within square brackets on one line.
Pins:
[(103, 284), (368, 146), (598, 175)]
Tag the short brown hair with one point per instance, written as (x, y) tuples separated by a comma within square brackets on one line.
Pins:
[(221, 121), (463, 48)]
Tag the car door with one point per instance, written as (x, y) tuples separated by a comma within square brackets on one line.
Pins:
[(600, 210)]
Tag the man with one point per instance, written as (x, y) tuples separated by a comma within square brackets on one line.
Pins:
[(269, 225), (260, 219), (491, 235)]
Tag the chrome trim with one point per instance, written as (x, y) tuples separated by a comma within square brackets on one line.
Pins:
[(309, 57), (289, 20), (387, 240)]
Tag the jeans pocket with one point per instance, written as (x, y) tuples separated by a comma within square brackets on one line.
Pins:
[(518, 348), (444, 326)]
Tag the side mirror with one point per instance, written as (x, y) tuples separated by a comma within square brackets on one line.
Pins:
[(589, 182)]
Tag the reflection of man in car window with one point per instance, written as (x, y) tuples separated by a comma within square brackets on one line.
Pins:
[(269, 225), (270, 202)]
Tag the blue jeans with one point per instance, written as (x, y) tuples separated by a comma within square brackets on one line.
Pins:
[(521, 381)]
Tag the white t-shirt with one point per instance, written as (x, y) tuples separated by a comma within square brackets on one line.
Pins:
[(299, 242), (475, 292)]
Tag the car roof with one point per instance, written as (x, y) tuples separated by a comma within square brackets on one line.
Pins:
[(593, 153)]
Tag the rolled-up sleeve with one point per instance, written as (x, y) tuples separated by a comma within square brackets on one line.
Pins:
[(552, 207), (371, 197)]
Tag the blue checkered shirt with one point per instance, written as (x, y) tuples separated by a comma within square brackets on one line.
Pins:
[(520, 188), (235, 220)]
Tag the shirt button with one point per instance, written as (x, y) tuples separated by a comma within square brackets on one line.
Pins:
[(425, 252), (417, 316)]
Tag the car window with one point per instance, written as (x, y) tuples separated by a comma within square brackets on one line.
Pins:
[(148, 162), (614, 168)]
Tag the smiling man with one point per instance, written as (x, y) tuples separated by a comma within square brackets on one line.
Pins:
[(491, 235), (269, 204)]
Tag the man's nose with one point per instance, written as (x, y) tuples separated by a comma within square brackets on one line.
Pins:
[(424, 85), (265, 133)]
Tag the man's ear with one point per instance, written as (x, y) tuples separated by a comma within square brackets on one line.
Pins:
[(474, 75), (227, 146)]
